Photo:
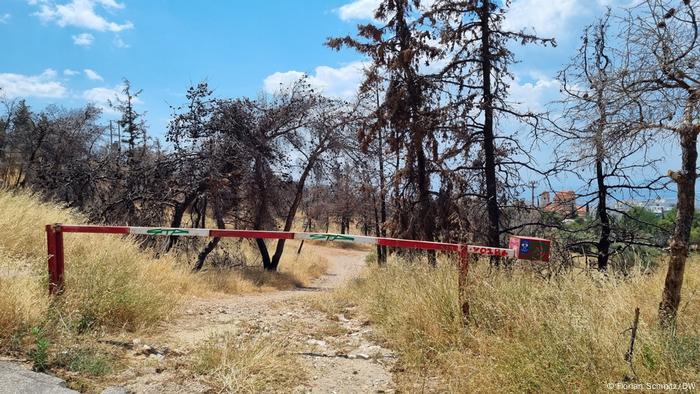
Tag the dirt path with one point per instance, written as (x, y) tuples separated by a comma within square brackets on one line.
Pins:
[(336, 350)]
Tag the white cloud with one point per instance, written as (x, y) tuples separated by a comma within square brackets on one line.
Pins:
[(548, 18), (364, 9), (335, 82), (43, 85), (69, 73), (119, 43), (534, 96), (80, 13), (92, 75), (84, 39), (103, 95), (358, 9), (4, 18)]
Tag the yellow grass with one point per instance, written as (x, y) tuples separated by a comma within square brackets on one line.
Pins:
[(295, 270), (526, 334), (110, 283), (239, 364)]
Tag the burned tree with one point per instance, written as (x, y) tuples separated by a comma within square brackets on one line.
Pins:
[(398, 49), (474, 76), (662, 36), (597, 137)]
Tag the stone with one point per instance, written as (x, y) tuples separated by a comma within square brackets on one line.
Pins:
[(316, 342), (115, 390), (15, 378)]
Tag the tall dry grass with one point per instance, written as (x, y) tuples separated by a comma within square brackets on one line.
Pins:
[(295, 270), (526, 334), (110, 283), (235, 363)]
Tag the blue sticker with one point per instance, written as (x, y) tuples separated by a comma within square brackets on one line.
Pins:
[(524, 246)]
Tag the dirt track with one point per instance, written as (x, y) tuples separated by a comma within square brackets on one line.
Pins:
[(340, 359)]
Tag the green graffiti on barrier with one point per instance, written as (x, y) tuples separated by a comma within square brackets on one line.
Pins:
[(166, 231), (331, 237)]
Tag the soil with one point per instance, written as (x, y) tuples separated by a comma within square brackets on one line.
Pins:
[(337, 351)]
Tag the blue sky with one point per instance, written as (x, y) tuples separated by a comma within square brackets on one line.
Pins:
[(70, 52)]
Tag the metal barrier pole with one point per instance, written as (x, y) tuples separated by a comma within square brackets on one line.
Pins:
[(51, 251), (463, 271), (59, 258)]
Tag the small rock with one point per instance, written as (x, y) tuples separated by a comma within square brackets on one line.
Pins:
[(222, 310), (189, 312), (352, 356), (316, 342), (136, 341), (115, 390), (363, 356), (155, 356)]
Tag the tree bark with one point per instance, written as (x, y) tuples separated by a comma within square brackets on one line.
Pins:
[(381, 232), (493, 232), (685, 181), (211, 245), (604, 240), (602, 212), (289, 221), (180, 210)]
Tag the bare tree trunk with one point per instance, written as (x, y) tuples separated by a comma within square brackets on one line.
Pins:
[(493, 231), (604, 240), (261, 212), (306, 228), (602, 212), (180, 210), (292, 212), (381, 250), (211, 245), (377, 231), (685, 181)]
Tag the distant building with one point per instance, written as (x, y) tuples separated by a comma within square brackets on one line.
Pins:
[(564, 204), (658, 206)]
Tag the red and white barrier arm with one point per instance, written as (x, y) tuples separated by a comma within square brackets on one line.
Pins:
[(361, 239), (526, 248)]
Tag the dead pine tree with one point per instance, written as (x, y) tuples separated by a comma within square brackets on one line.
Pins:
[(475, 52), (398, 47)]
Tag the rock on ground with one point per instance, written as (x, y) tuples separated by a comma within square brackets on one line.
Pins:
[(15, 379)]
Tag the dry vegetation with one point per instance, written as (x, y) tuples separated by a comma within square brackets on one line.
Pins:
[(240, 364), (526, 334), (112, 285)]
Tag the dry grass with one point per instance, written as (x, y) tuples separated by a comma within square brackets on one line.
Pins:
[(526, 334), (295, 270), (239, 364), (111, 284)]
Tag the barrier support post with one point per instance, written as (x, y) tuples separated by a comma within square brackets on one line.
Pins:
[(463, 271), (51, 251), (54, 240)]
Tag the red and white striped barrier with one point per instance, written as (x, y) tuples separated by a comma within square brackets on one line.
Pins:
[(520, 247), (222, 233)]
